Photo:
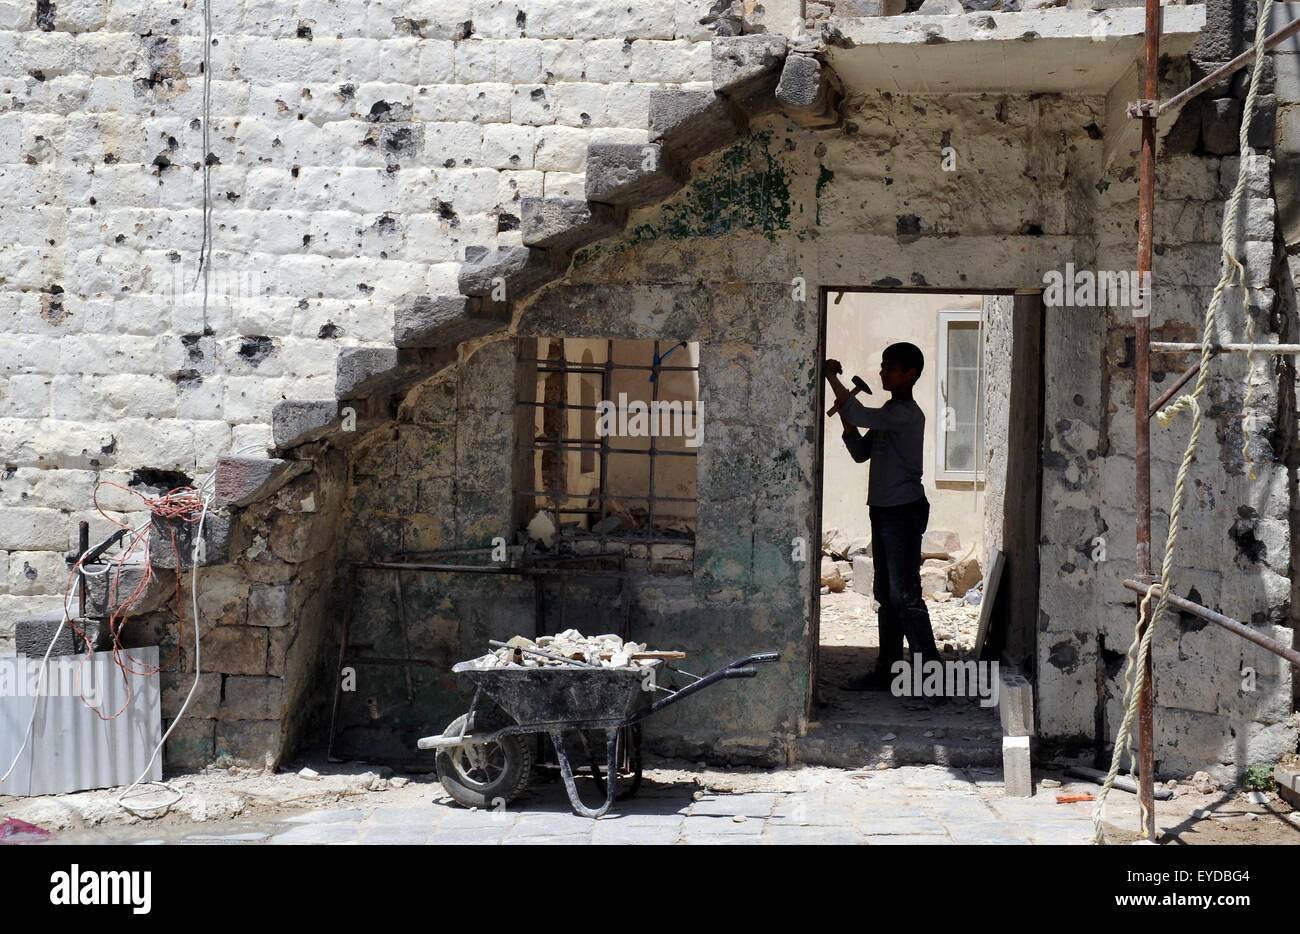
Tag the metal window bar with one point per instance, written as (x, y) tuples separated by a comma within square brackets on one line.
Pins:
[(562, 444)]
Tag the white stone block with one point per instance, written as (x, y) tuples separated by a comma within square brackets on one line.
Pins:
[(1017, 774), (506, 146)]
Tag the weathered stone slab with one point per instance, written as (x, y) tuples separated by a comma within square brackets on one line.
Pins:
[(692, 123), (32, 637), (509, 273), (245, 480), (631, 174), (746, 69), (562, 225), (301, 422), (445, 320), (367, 371), (217, 530), (105, 591), (809, 91)]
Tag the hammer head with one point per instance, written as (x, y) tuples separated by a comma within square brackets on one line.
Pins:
[(860, 385)]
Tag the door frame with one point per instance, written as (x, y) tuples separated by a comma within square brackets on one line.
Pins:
[(1019, 606)]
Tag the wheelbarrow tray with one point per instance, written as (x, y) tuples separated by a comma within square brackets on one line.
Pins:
[(574, 698)]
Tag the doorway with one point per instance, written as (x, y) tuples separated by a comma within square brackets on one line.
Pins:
[(980, 391)]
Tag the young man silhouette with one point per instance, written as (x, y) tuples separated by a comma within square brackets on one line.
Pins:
[(899, 510)]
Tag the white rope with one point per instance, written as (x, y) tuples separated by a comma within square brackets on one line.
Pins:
[(1139, 653)]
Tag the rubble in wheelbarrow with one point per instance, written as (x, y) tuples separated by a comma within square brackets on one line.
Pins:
[(607, 651)]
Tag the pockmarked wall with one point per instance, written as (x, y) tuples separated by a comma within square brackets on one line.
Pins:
[(358, 161)]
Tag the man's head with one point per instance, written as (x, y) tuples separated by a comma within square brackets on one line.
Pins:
[(900, 366)]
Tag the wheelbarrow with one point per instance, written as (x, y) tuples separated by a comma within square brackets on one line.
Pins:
[(483, 760)]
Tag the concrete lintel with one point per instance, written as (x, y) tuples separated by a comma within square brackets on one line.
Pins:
[(1036, 51)]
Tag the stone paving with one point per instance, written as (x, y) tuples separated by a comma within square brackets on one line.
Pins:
[(917, 805)]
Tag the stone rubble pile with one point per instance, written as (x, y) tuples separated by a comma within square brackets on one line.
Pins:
[(608, 651)]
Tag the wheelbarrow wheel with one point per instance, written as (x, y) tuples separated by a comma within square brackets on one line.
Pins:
[(485, 775)]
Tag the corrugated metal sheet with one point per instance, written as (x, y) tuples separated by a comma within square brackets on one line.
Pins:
[(72, 748)]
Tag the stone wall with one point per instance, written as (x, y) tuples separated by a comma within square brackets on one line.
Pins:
[(359, 156)]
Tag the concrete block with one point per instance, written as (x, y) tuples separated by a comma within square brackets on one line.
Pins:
[(270, 605), (631, 174), (746, 69), (1263, 125), (445, 320), (252, 743), (294, 422), (1017, 771), (692, 123), (565, 224), (1015, 702), (235, 650), (217, 530), (245, 480), (809, 91)]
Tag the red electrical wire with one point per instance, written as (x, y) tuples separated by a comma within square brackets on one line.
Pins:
[(183, 504)]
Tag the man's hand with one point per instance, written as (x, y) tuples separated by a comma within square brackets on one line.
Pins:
[(831, 368)]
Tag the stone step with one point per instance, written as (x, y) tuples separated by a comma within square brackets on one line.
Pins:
[(848, 745)]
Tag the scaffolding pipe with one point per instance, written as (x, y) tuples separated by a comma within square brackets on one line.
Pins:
[(1227, 622), (1142, 400), (1185, 347), (1245, 58)]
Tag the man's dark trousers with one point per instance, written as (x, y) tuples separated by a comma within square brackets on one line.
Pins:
[(896, 557)]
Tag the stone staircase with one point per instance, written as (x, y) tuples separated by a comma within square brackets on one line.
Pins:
[(752, 75)]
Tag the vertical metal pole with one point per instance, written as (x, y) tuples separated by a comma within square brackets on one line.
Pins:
[(1142, 396), (83, 546), (656, 376), (606, 395)]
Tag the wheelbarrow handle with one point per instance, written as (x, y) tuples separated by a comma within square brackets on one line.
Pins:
[(737, 669)]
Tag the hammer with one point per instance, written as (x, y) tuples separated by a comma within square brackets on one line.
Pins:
[(858, 386)]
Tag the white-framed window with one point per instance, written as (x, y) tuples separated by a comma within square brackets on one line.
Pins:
[(959, 425)]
